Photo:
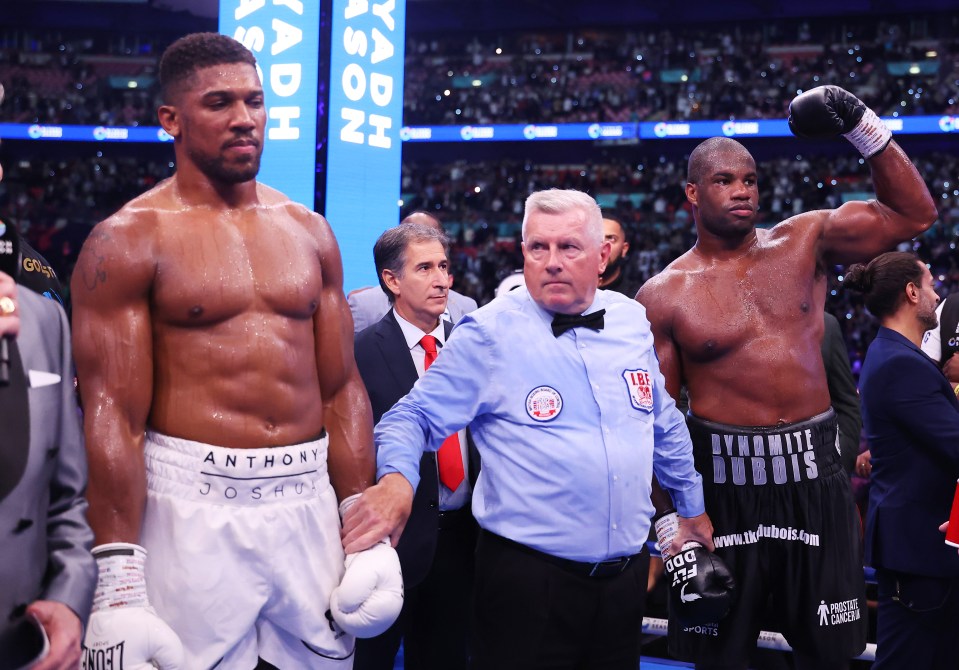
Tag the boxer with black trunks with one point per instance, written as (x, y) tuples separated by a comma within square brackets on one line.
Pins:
[(225, 416), (738, 321)]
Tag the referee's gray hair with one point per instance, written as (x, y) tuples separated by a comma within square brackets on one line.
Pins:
[(560, 201)]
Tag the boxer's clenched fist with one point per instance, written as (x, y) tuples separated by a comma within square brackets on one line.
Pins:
[(828, 111)]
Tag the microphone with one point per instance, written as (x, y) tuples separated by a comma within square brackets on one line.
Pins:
[(9, 264)]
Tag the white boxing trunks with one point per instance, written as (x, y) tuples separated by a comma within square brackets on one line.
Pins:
[(244, 550)]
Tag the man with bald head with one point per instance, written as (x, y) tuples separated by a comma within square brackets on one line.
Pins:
[(738, 321), (614, 277), (370, 303)]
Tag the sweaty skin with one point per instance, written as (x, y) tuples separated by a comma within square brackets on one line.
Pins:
[(211, 308), (737, 319)]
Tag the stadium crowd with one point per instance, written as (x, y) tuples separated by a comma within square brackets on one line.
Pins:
[(896, 66), (751, 70), (55, 203)]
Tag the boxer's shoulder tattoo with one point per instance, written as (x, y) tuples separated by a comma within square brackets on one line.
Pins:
[(95, 273), (95, 276)]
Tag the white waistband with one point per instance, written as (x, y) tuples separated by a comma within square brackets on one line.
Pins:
[(221, 475)]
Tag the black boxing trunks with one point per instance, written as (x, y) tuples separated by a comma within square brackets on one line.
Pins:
[(785, 523)]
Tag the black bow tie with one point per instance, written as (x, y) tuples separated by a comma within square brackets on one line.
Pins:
[(564, 322)]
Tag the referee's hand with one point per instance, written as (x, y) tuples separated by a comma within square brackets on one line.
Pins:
[(381, 511)]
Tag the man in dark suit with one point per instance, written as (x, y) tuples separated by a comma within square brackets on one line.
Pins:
[(46, 568), (436, 548), (911, 416)]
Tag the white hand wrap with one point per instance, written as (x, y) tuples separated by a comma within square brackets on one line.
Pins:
[(870, 136), (124, 631), (666, 528), (370, 595)]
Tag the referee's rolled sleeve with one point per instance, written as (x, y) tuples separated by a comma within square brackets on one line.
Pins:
[(443, 401)]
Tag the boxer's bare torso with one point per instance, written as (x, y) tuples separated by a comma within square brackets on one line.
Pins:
[(211, 308), (738, 318), (230, 299), (746, 327)]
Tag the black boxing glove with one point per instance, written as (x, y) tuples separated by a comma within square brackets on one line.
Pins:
[(701, 588), (827, 111)]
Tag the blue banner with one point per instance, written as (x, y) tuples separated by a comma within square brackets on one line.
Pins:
[(283, 36), (908, 125), (520, 132), (364, 149), (34, 131)]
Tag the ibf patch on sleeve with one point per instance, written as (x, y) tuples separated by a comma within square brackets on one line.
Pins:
[(640, 386)]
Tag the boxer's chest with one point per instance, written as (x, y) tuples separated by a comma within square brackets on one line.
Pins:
[(220, 271), (743, 306)]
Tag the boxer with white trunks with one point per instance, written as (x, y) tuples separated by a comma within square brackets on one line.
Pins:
[(214, 351), (738, 322)]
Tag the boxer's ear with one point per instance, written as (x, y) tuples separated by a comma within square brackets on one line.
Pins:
[(169, 119)]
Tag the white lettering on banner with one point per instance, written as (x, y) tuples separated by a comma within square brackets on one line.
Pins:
[(253, 39), (284, 78), (357, 81), (295, 5), (285, 131), (354, 42), (354, 82), (384, 10), (247, 7), (382, 48), (286, 36), (356, 8), (355, 118)]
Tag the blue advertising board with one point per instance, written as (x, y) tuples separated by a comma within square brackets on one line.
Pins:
[(364, 149), (661, 130)]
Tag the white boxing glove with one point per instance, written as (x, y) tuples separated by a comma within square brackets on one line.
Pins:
[(124, 631), (370, 595)]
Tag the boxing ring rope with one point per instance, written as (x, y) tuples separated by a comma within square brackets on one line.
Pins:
[(766, 640)]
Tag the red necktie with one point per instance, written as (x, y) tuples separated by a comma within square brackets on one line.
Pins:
[(449, 457)]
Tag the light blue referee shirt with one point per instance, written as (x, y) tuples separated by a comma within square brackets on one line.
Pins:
[(569, 429)]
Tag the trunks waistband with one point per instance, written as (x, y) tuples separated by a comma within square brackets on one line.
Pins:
[(241, 477), (766, 455)]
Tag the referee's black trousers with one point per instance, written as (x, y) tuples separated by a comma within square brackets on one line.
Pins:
[(532, 613)]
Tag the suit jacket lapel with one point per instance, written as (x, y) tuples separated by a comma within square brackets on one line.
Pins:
[(396, 354)]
